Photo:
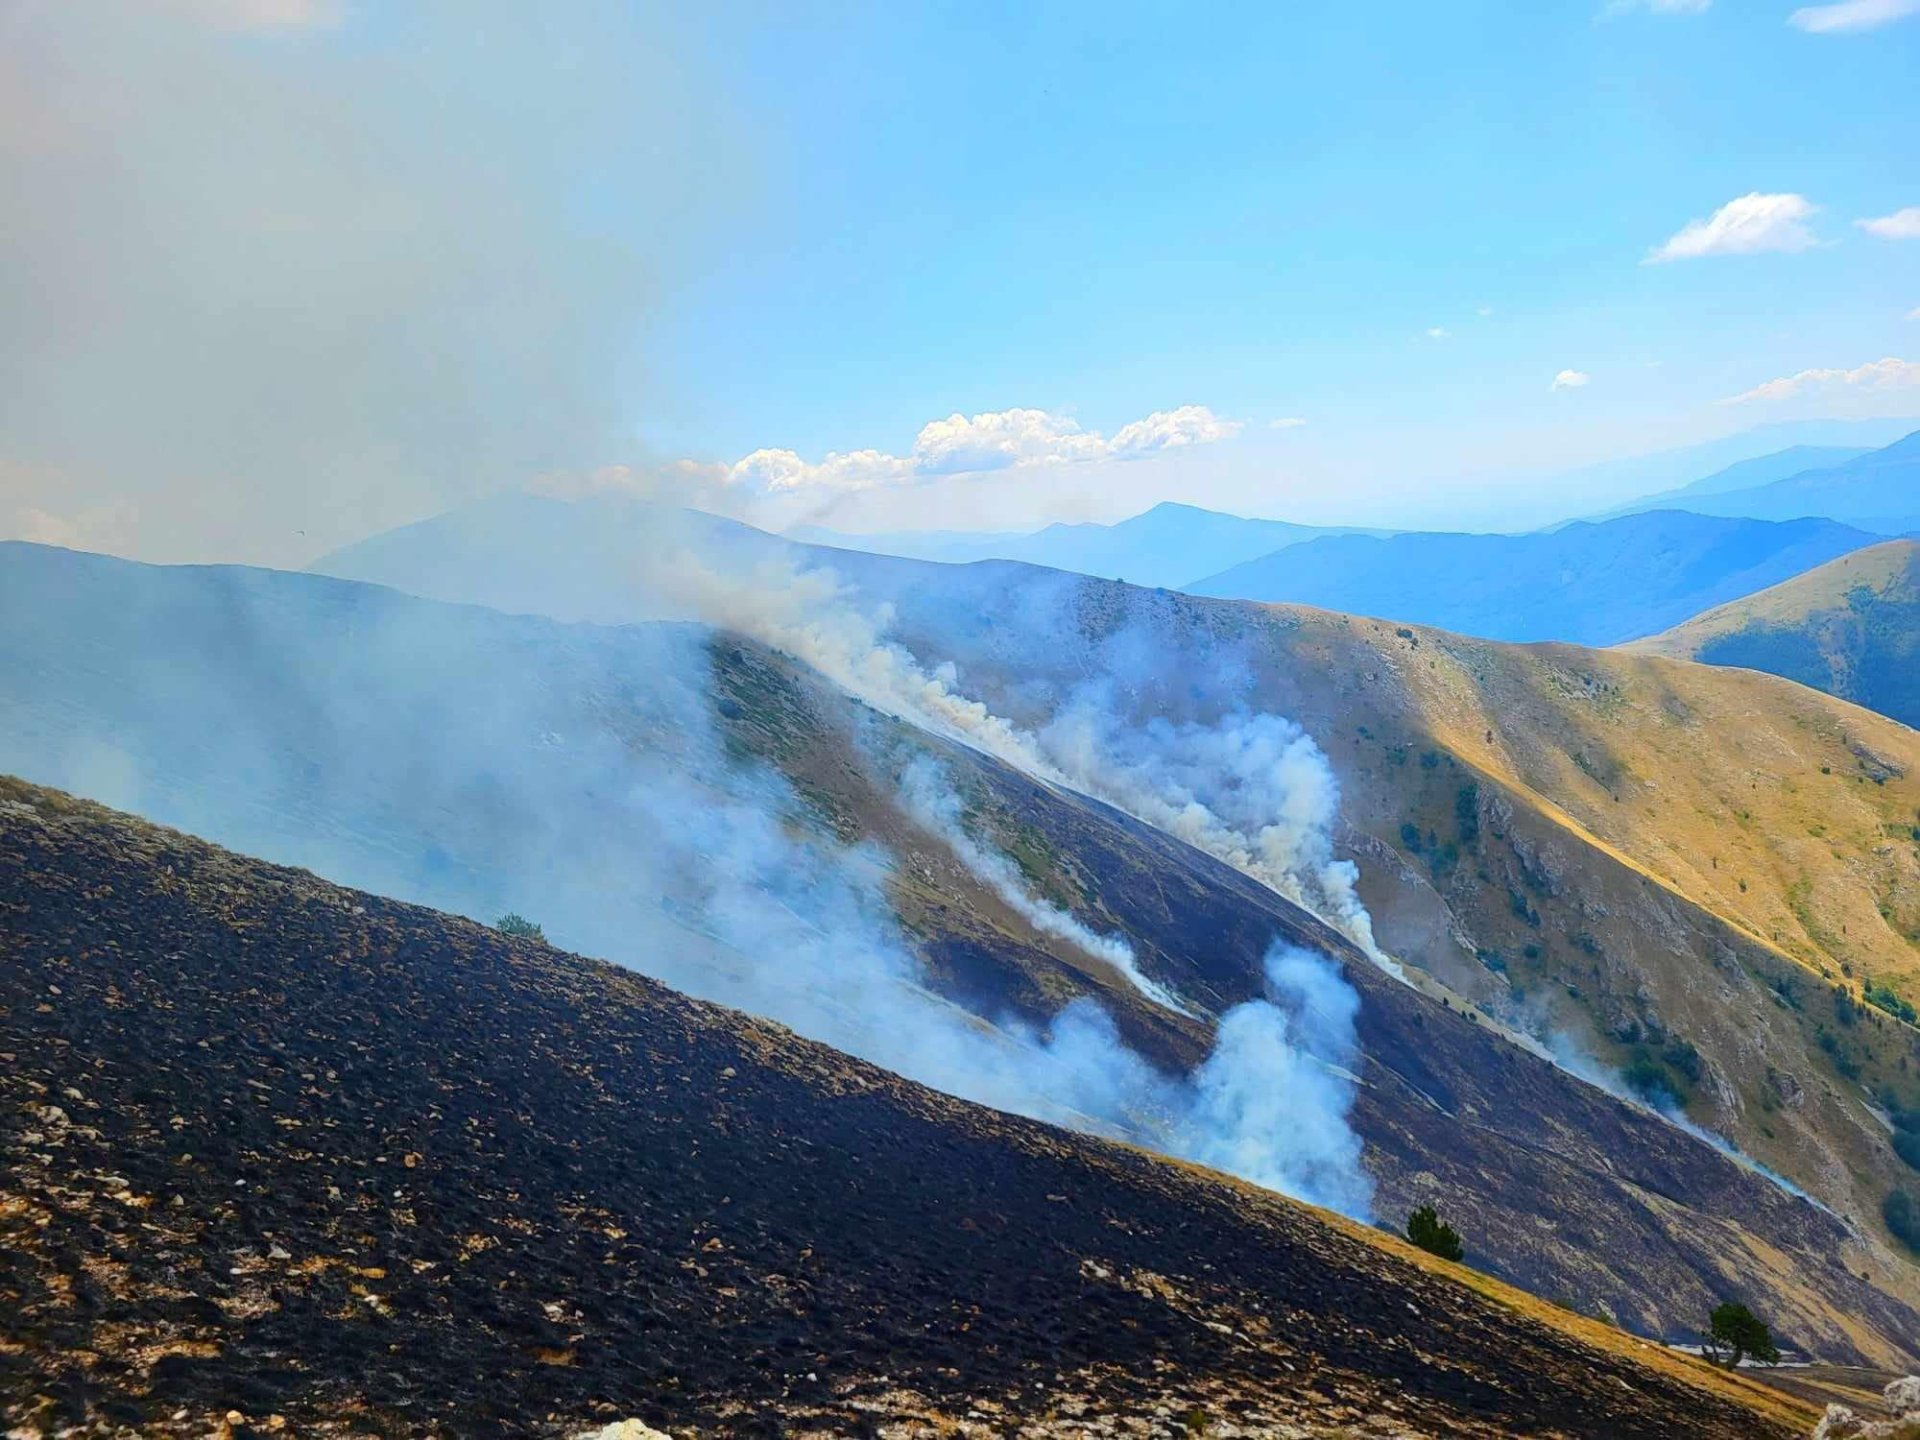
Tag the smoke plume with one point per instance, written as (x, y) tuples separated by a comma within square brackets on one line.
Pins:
[(931, 800)]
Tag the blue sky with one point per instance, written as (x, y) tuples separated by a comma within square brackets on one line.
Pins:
[(1264, 209), (297, 269)]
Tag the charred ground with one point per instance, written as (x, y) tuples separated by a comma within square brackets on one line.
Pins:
[(275, 1146)]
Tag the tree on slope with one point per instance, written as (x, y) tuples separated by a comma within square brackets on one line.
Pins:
[(1734, 1332), (1426, 1229)]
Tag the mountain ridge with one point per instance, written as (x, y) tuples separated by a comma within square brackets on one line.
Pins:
[(1547, 585)]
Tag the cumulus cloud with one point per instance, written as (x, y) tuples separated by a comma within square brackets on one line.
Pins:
[(1750, 225), (1286, 422), (981, 444), (1571, 379), (1887, 374), (1900, 225), (1851, 15), (1438, 332)]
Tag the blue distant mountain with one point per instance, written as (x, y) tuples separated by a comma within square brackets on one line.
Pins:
[(1167, 546), (1592, 583), (1878, 491)]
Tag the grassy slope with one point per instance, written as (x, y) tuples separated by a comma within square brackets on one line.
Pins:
[(423, 1178), (1645, 854), (1612, 786), (1850, 627)]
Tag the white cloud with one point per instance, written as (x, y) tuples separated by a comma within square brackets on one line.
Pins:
[(1571, 380), (1286, 422), (1888, 374), (1001, 440), (1484, 311), (1172, 430), (1851, 15), (1914, 314), (1746, 226), (1439, 332), (1901, 225), (775, 471), (980, 444)]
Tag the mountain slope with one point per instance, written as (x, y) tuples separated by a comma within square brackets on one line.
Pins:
[(1689, 874), (1878, 491), (289, 1149), (1585, 583), (486, 762), (1850, 627)]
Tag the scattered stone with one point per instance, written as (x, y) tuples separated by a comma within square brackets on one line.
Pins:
[(625, 1430)]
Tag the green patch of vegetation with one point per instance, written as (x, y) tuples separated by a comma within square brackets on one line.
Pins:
[(1734, 1332), (519, 927), (1883, 997), (1426, 1229), (1466, 814)]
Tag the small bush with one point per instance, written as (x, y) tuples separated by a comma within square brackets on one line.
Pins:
[(1426, 1229), (519, 927)]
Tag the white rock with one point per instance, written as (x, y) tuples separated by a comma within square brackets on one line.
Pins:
[(626, 1430), (1903, 1396)]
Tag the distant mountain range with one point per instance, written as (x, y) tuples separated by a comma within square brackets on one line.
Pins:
[(1590, 583), (1746, 475), (1876, 490), (1850, 627), (1167, 546)]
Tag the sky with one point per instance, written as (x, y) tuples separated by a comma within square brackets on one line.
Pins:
[(285, 272)]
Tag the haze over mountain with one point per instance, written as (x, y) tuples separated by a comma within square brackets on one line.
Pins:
[(1590, 582), (1850, 627), (1877, 491), (1746, 474), (1646, 481), (1170, 545)]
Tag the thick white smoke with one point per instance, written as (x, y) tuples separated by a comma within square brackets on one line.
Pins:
[(1251, 789), (800, 931), (931, 800), (1279, 1084)]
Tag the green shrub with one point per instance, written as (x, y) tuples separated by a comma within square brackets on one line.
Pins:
[(519, 927), (1426, 1229)]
